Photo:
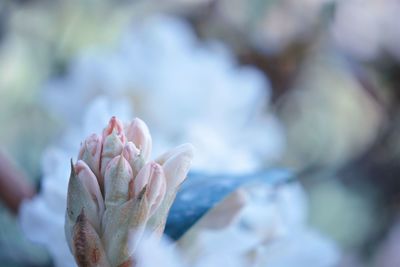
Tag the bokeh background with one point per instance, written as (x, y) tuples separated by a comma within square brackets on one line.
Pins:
[(311, 86)]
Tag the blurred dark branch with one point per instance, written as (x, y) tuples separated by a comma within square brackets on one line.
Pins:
[(281, 69)]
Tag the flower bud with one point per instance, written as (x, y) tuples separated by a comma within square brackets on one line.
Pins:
[(138, 133), (113, 143), (132, 155), (90, 153), (152, 176), (117, 177), (114, 125), (85, 174), (156, 189), (137, 196)]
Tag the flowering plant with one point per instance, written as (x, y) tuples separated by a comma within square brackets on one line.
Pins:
[(115, 193)]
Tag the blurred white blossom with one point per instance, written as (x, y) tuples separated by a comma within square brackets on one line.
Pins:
[(163, 71), (257, 225)]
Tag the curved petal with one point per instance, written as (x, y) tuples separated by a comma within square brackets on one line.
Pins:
[(138, 133), (177, 165), (90, 153), (86, 245)]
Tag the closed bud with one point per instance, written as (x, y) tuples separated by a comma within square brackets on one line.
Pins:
[(114, 126), (113, 143), (151, 176), (144, 177), (117, 177), (114, 196), (138, 133), (132, 154), (88, 179), (90, 153), (156, 188)]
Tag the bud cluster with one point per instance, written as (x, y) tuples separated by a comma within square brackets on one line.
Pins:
[(115, 193)]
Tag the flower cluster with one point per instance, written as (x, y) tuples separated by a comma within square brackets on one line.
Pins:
[(115, 193)]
